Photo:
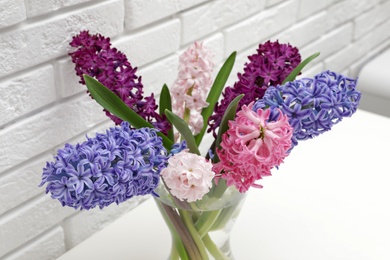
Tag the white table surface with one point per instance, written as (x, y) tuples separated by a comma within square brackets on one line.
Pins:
[(329, 200)]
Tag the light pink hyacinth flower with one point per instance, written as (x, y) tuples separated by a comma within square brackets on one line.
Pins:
[(252, 147), (189, 91), (188, 176)]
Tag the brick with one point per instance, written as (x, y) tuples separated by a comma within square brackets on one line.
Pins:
[(151, 44), (304, 32), (311, 72), (11, 12), (49, 39), (309, 7), (21, 184), (368, 21), (47, 247), (27, 92), (44, 130), (260, 27), (157, 74), (38, 7), (215, 44), (273, 2), (142, 12), (343, 59), (203, 20), (81, 226), (68, 81), (342, 12), (328, 44), (376, 37), (18, 227), (357, 66), (349, 55)]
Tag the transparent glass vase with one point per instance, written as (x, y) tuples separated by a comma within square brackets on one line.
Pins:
[(201, 230)]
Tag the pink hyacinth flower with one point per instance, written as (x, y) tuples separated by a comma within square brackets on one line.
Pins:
[(252, 147), (190, 89), (188, 176)]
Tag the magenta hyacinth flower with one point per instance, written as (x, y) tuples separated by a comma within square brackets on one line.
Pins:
[(252, 146), (272, 63), (95, 57)]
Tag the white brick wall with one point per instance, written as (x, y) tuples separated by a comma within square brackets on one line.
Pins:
[(42, 105), (47, 246), (38, 7), (27, 92), (11, 12)]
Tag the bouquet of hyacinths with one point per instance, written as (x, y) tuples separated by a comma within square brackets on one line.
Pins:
[(255, 126)]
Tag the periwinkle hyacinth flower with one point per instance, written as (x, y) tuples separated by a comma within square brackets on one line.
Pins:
[(252, 146), (313, 105), (272, 63), (95, 57), (108, 168)]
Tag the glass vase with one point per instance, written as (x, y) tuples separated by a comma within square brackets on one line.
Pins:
[(201, 229)]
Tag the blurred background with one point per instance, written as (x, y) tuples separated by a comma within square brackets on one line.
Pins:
[(42, 105)]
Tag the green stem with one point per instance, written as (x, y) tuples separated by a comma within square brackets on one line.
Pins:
[(218, 190), (178, 252), (206, 221), (186, 116), (174, 255), (187, 112), (213, 249), (225, 215), (179, 230), (194, 233), (178, 249)]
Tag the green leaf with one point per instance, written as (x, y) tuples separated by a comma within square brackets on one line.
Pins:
[(183, 129), (165, 103), (229, 114), (116, 106), (299, 68), (215, 92)]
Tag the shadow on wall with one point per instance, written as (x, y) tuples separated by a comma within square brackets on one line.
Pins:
[(374, 83)]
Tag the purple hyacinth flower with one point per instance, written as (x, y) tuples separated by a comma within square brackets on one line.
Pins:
[(313, 105), (111, 167)]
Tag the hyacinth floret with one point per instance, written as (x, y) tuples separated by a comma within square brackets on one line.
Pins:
[(188, 176), (252, 146), (272, 63), (190, 89), (110, 167), (313, 105), (95, 57), (177, 148)]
